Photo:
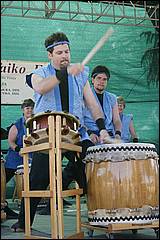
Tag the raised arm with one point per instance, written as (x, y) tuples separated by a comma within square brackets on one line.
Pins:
[(44, 85)]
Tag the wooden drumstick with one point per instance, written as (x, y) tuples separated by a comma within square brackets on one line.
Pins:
[(99, 44)]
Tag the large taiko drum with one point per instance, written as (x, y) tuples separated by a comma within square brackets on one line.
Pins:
[(123, 183), (19, 182), (3, 183), (38, 128)]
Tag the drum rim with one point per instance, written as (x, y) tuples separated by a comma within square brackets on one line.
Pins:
[(119, 152), (29, 120), (111, 145)]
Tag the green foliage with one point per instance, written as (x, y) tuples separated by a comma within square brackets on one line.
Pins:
[(150, 59)]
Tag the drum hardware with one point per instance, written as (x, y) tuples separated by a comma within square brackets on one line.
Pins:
[(27, 131), (77, 135), (64, 123), (65, 130), (35, 135), (27, 142), (34, 125), (75, 126)]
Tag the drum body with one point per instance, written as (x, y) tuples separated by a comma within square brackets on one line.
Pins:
[(19, 181), (123, 183), (3, 184), (19, 186), (38, 128)]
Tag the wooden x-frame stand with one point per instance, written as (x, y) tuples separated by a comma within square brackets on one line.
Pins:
[(55, 147)]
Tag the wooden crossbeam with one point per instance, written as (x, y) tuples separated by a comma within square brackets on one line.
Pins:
[(72, 192), (36, 148)]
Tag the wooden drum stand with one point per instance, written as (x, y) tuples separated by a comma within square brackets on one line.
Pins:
[(54, 146)]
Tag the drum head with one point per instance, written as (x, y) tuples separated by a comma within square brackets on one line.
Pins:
[(121, 152), (47, 114)]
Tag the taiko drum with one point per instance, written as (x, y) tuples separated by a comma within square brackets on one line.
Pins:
[(123, 183)]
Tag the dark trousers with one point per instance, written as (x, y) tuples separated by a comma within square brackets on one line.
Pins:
[(39, 176), (9, 173)]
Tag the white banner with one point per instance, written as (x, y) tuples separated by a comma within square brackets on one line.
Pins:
[(13, 77)]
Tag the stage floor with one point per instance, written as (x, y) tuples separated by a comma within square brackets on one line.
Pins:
[(41, 226)]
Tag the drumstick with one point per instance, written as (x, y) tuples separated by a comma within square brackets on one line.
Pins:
[(99, 44)]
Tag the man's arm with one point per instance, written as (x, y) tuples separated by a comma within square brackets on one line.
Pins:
[(116, 121), (12, 135), (92, 103), (43, 85), (133, 132)]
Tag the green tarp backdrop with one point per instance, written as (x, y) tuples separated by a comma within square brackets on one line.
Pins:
[(23, 39)]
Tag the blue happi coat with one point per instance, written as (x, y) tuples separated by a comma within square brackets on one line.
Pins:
[(109, 101), (13, 159), (52, 100), (125, 132)]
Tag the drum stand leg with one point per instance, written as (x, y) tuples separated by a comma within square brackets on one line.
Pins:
[(3, 190), (55, 146), (14, 193), (3, 215)]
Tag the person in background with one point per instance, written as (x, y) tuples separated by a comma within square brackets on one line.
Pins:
[(107, 103), (15, 140), (128, 133), (60, 86)]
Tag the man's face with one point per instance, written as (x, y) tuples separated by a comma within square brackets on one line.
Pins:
[(100, 82), (60, 57)]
